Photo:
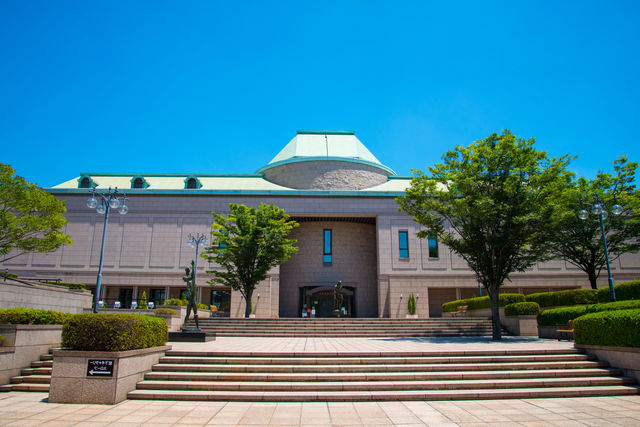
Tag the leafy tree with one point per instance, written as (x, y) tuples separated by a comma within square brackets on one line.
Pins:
[(488, 203), (143, 302), (580, 241), (30, 218), (248, 243)]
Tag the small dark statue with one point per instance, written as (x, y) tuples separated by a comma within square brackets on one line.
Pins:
[(190, 295), (337, 296)]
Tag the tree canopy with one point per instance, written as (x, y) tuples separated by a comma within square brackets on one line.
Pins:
[(580, 241), (488, 203), (31, 219), (248, 243)]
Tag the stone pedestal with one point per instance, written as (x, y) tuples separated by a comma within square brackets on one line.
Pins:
[(191, 335)]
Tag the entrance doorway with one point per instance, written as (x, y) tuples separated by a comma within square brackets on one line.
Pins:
[(317, 301)]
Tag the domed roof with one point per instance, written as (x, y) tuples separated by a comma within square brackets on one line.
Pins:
[(325, 145)]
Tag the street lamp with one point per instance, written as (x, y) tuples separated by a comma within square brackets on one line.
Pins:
[(598, 209), (109, 201), (195, 242)]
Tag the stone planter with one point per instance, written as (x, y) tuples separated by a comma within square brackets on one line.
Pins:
[(523, 326), (625, 358), (484, 313), (24, 344), (71, 381)]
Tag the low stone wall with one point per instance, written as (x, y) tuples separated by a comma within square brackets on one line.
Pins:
[(43, 296), (24, 344), (551, 333), (625, 358), (483, 312), (71, 383), (523, 326)]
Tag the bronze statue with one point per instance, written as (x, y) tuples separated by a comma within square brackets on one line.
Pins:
[(191, 295), (337, 296)]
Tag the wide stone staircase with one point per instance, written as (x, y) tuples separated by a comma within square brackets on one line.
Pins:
[(345, 327), (35, 378), (366, 376)]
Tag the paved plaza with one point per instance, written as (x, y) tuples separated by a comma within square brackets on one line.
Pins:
[(32, 409)]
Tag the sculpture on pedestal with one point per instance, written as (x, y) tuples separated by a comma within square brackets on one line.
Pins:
[(191, 296)]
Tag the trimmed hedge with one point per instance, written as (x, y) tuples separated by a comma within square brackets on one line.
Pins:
[(203, 306), (617, 328), (522, 309), (8, 275), (564, 314), (32, 316), (564, 298), (164, 311), (624, 291), (482, 302), (176, 301), (113, 332), (68, 285)]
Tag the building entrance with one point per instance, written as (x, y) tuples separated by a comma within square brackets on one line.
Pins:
[(317, 302)]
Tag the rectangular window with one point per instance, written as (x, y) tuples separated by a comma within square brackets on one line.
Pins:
[(433, 247), (403, 238), (327, 246)]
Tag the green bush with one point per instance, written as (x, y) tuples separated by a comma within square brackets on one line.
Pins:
[(451, 306), (624, 291), (32, 316), (617, 328), (1, 340), (8, 275), (411, 304), (113, 332), (143, 302), (203, 306), (564, 314), (68, 285), (564, 298), (485, 302), (176, 301), (164, 311), (522, 309)]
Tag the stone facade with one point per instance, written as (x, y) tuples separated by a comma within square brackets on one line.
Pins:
[(326, 175)]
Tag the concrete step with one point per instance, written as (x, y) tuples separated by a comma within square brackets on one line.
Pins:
[(32, 379), (36, 378), (310, 396), (36, 371), (31, 387)]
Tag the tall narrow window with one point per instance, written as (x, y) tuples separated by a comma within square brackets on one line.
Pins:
[(433, 247), (327, 246), (192, 183), (138, 183), (403, 239)]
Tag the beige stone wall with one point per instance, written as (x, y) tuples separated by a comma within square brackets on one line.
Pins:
[(44, 297), (326, 175), (353, 262)]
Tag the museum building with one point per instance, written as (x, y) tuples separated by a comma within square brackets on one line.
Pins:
[(350, 231)]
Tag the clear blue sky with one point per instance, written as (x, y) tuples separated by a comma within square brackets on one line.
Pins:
[(221, 87)]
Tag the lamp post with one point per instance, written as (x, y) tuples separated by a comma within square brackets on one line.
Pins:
[(195, 242), (597, 208), (108, 201)]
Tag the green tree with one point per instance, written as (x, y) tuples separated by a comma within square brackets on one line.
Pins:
[(31, 219), (247, 243), (143, 302), (488, 203), (580, 241)]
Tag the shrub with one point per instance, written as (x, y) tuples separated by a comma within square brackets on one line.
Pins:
[(143, 301), (564, 314), (411, 304), (164, 311), (176, 301), (450, 306), (203, 306), (624, 291), (32, 316), (564, 298), (1, 340), (522, 309), (8, 275), (485, 302), (68, 285), (113, 332), (618, 328)]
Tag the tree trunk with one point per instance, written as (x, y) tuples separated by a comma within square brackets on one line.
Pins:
[(495, 314), (593, 279), (247, 310)]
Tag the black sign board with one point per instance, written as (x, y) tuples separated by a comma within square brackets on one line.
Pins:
[(100, 368)]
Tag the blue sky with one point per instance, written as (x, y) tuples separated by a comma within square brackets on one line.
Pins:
[(221, 87)]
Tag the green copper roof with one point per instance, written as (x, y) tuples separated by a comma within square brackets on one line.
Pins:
[(325, 145)]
